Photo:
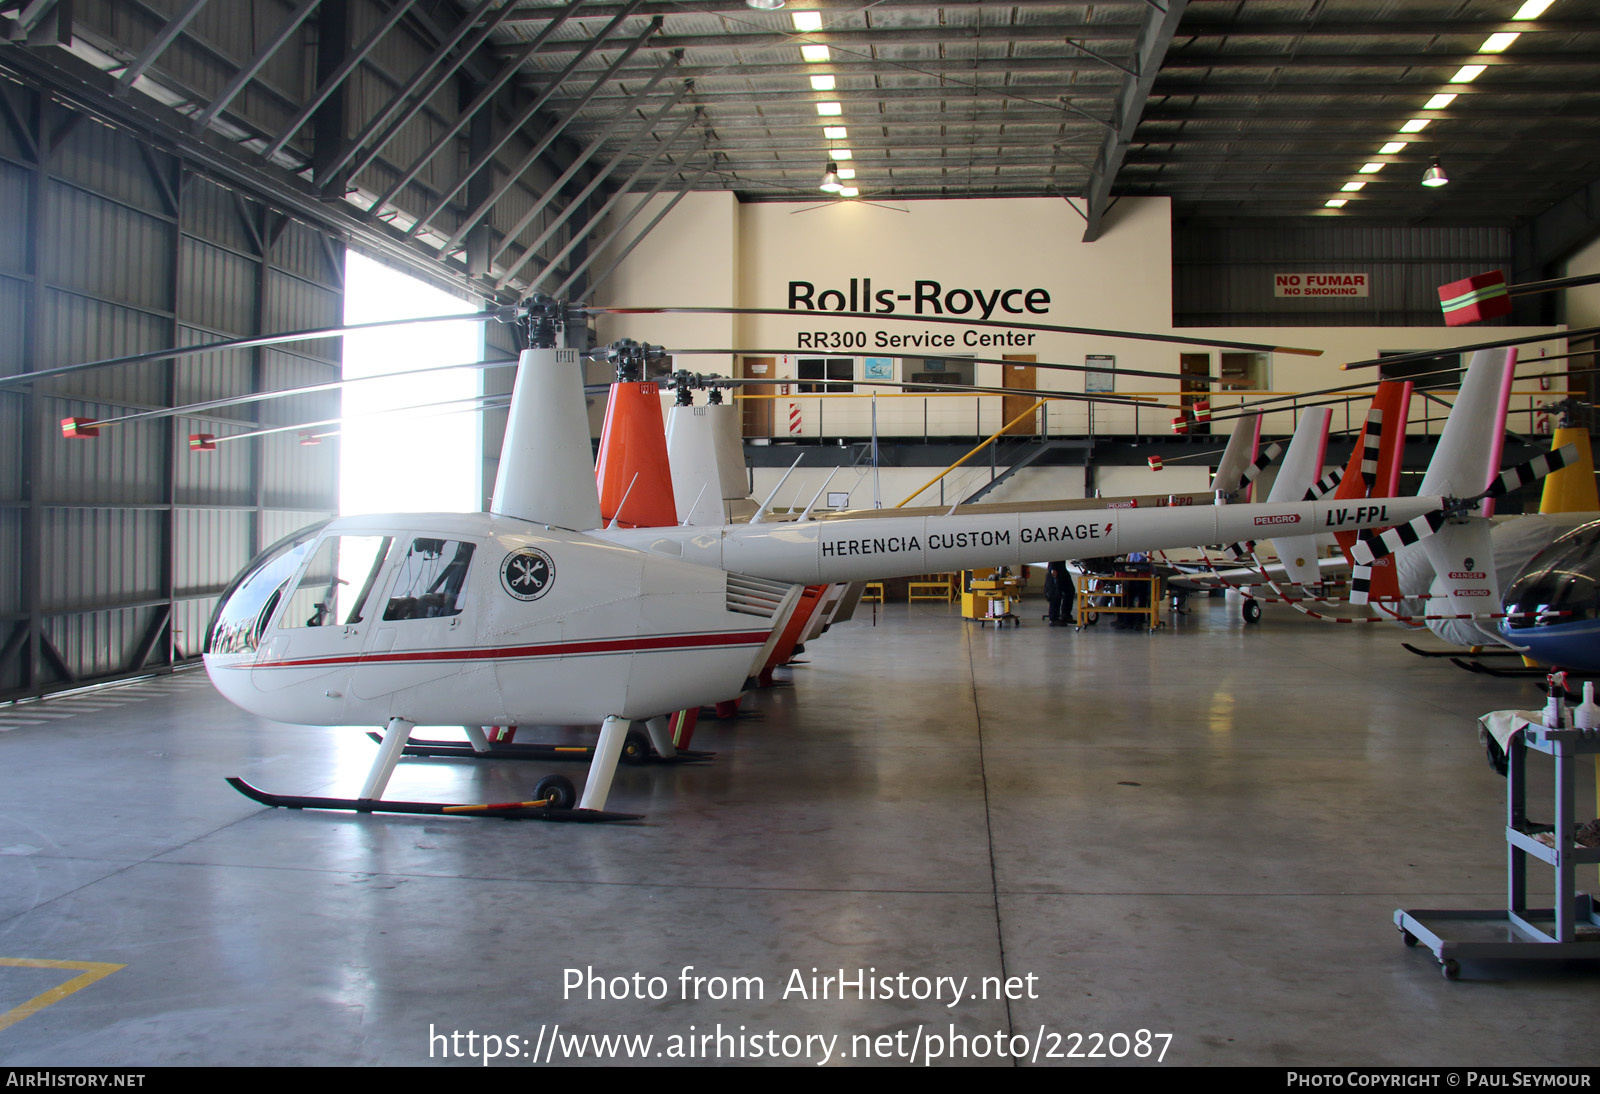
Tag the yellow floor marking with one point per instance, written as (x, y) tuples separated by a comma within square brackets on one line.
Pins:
[(90, 971)]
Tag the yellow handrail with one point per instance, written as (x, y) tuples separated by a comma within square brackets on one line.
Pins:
[(992, 438)]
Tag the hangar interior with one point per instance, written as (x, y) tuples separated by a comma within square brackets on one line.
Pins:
[(1200, 832)]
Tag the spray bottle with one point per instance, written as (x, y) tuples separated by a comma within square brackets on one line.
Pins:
[(1587, 714), (1554, 709)]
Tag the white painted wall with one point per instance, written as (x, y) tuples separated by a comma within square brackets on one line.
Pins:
[(712, 251)]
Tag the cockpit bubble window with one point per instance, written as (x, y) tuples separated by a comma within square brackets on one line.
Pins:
[(249, 603), (1561, 584), (432, 580), (337, 582)]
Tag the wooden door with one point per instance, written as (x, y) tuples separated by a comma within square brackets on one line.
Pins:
[(1019, 376), (758, 412)]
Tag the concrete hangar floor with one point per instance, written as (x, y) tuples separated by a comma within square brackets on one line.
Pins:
[(1184, 846)]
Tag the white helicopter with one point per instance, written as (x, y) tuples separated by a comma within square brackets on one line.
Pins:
[(535, 613)]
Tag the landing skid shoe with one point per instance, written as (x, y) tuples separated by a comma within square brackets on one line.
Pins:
[(1457, 652), (1508, 674), (552, 797), (503, 811)]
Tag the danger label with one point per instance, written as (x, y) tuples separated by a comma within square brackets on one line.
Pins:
[(1302, 285), (1281, 518)]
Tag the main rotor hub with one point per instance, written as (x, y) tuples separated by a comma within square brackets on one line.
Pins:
[(630, 358), (543, 317)]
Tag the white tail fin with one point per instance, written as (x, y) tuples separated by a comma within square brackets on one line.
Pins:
[(1236, 457), (1468, 455), (1296, 476)]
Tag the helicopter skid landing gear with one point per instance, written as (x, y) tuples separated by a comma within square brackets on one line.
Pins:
[(504, 810), (554, 805), (419, 747)]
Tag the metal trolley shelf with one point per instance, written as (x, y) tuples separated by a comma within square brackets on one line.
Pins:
[(1569, 930)]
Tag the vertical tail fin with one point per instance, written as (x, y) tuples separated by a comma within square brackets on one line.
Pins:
[(1297, 475), (1237, 456)]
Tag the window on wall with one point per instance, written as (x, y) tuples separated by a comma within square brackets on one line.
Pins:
[(1244, 372), (953, 371), (831, 369)]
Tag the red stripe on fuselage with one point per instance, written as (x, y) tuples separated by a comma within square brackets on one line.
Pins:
[(549, 649)]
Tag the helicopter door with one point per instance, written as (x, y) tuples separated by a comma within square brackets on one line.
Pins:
[(426, 622), (320, 626)]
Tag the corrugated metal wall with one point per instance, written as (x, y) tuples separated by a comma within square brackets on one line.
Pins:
[(1224, 275), (113, 550)]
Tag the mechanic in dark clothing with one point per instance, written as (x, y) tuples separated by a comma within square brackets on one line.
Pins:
[(1058, 590)]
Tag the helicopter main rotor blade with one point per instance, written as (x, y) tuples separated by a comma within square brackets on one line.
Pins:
[(931, 387), (1427, 354), (284, 393), (1047, 328), (238, 343), (419, 410), (974, 360)]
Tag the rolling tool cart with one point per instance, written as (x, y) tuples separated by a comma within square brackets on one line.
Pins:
[(1569, 930)]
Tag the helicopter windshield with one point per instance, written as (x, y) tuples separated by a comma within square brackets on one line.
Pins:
[(1563, 578), (247, 606)]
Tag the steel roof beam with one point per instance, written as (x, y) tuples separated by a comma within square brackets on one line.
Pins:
[(638, 239), (881, 37), (336, 79), (1154, 38), (644, 129), (859, 66), (1196, 87), (509, 69), (515, 174), (434, 83), (157, 46), (525, 115), (1212, 59), (579, 235), (533, 13), (255, 64)]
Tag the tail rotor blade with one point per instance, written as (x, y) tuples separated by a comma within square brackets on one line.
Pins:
[(1532, 471), (1325, 485), (1365, 552)]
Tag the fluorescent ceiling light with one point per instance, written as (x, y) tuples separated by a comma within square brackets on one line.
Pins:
[(1439, 102), (847, 172), (1352, 187), (1371, 168), (830, 110), (814, 54), (1498, 43), (848, 192), (1467, 73), (835, 132), (1532, 9), (807, 21), (1335, 203), (822, 83), (842, 154), (1391, 148), (1415, 125)]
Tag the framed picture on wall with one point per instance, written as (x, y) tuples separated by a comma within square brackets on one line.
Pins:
[(877, 368), (1102, 376)]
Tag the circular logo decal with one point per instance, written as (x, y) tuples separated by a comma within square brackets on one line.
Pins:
[(527, 574)]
